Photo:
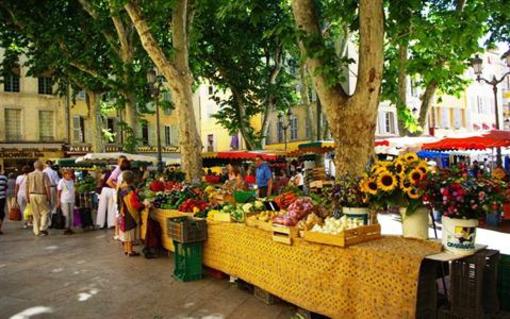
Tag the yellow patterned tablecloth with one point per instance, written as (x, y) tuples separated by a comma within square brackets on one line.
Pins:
[(377, 279)]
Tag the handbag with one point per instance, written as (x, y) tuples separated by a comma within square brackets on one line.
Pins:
[(58, 220), (27, 213), (15, 213), (76, 218)]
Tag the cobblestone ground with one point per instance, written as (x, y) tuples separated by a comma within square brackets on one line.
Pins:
[(86, 275)]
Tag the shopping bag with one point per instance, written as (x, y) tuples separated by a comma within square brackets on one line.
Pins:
[(86, 218), (27, 213), (58, 220), (76, 218), (15, 213)]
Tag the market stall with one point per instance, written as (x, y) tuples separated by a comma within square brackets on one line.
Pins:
[(325, 253)]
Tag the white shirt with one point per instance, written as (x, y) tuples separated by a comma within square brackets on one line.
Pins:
[(21, 181), (67, 188), (52, 175)]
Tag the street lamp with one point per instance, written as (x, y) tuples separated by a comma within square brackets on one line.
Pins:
[(285, 127), (476, 63), (152, 80)]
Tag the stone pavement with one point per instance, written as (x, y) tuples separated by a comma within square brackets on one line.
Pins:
[(86, 275)]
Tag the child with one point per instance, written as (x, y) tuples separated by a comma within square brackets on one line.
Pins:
[(66, 198), (129, 208)]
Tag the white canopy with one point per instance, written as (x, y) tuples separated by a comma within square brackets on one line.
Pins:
[(111, 157)]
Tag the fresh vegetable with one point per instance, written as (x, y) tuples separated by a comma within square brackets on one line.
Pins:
[(157, 186), (310, 221), (285, 199), (335, 226), (299, 209), (190, 205)]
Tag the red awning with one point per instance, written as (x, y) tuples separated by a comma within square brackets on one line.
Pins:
[(489, 140), (382, 143), (242, 155)]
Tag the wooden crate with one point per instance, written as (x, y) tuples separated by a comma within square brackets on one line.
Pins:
[(284, 234), (347, 238)]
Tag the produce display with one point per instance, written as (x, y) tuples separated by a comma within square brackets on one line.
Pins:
[(296, 211), (174, 199), (309, 222), (335, 226), (192, 205), (86, 184), (284, 200)]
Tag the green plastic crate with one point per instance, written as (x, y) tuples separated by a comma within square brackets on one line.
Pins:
[(504, 282), (188, 261), (244, 196)]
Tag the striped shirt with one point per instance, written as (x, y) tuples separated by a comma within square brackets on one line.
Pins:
[(3, 186)]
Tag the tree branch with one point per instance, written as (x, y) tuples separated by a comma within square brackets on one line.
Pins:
[(150, 44), (89, 8)]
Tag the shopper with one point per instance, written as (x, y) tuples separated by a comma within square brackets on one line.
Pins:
[(112, 182), (129, 208), (11, 191), (66, 199), (107, 206), (3, 197), (38, 194), (298, 179), (264, 178), (239, 183), (20, 192), (54, 179)]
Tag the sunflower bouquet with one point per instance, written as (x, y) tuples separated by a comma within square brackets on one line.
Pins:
[(396, 183)]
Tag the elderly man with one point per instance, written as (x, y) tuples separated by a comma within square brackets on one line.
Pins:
[(38, 194), (54, 179)]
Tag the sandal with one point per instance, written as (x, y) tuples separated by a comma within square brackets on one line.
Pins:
[(133, 254)]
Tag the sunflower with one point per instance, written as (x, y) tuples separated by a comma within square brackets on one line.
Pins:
[(413, 193), (386, 181), (423, 167), (405, 184), (399, 167), (415, 175), (371, 186), (410, 157)]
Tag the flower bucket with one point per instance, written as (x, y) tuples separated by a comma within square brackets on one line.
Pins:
[(356, 213), (459, 235), (416, 224)]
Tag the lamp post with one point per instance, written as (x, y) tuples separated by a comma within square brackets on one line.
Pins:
[(152, 80), (476, 63), (285, 127)]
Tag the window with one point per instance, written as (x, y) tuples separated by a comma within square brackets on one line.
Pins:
[(279, 128), (389, 123), (78, 129), (168, 135), (11, 82), (145, 134), (210, 143), (81, 95), (293, 125), (211, 89), (479, 104), (12, 124), (445, 118), (45, 85), (46, 126)]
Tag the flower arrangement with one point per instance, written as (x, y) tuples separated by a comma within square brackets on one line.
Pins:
[(396, 183), (456, 194), (347, 192)]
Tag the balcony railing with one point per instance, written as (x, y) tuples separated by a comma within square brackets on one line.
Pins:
[(112, 148)]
